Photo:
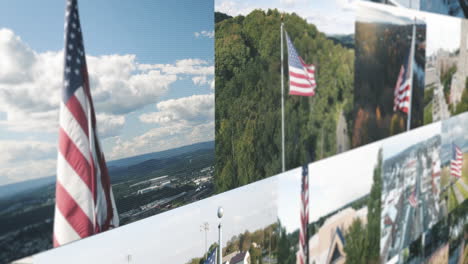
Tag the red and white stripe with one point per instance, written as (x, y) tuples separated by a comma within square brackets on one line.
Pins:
[(302, 80), (303, 236), (402, 93), (412, 199), (456, 164)]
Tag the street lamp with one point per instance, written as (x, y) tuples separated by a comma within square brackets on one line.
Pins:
[(220, 255), (205, 227)]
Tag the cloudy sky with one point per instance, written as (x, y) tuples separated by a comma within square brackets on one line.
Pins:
[(175, 236), (378, 13), (333, 183), (330, 16), (151, 75), (454, 130)]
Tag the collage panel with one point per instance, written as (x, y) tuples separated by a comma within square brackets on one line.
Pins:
[(389, 76), (446, 86), (454, 8), (149, 114), (454, 174), (338, 221), (412, 202), (190, 234), (257, 133)]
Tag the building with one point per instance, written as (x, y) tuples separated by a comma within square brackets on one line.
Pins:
[(237, 258), (327, 245), (459, 78)]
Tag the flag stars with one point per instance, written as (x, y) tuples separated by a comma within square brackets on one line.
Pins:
[(77, 72)]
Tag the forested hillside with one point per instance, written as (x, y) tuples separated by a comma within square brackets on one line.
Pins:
[(248, 97)]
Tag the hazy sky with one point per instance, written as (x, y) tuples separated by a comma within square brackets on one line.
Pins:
[(378, 13), (151, 68), (333, 182), (396, 144), (454, 130), (175, 236), (330, 16), (443, 32)]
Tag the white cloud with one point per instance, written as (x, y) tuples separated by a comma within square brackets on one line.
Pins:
[(194, 109), (158, 139), (31, 84), (109, 125), (19, 158), (204, 33)]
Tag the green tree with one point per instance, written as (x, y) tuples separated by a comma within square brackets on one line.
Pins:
[(373, 213), (357, 244)]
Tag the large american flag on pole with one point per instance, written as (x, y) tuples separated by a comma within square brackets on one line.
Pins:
[(403, 87), (84, 200), (456, 162), (303, 232), (301, 75)]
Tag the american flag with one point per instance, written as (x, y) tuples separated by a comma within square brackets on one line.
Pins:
[(84, 200), (456, 162), (303, 233), (413, 201), (211, 259), (301, 75), (403, 87)]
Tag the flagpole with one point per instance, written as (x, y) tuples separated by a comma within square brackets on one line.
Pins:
[(413, 43), (282, 99)]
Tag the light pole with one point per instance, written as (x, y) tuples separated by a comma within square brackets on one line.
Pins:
[(220, 255), (205, 227)]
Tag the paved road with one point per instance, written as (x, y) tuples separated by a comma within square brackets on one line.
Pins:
[(342, 140)]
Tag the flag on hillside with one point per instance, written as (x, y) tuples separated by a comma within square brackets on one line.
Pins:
[(211, 259), (456, 161), (404, 84), (303, 232), (413, 200), (301, 75), (84, 201)]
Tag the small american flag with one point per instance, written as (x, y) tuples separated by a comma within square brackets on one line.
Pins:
[(413, 201), (403, 87), (211, 259), (456, 162), (301, 75), (84, 201), (303, 233)]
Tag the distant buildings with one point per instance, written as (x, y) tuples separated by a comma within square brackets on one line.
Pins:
[(327, 245), (459, 78)]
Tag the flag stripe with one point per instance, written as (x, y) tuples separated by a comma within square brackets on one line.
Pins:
[(75, 158), (80, 191), (71, 211), (63, 231), (75, 108), (72, 129)]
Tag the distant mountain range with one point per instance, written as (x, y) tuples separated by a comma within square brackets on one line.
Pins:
[(15, 188), (344, 40)]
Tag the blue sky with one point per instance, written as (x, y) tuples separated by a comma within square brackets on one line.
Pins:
[(151, 66)]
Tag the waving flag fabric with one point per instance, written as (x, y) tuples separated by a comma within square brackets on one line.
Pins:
[(404, 84), (211, 259), (84, 200), (301, 75), (456, 162), (303, 234), (413, 201)]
